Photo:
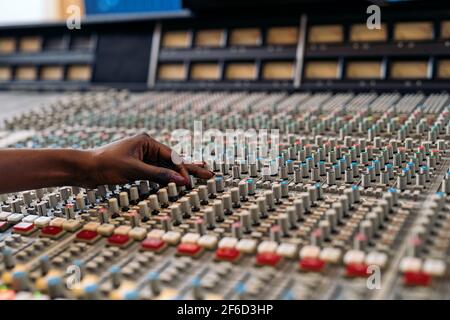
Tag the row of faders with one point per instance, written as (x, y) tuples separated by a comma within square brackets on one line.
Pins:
[(355, 206)]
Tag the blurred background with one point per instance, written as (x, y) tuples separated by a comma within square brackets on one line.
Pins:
[(37, 11)]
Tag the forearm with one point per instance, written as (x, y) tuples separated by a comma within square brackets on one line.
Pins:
[(25, 169)]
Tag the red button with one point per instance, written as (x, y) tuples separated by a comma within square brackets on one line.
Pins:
[(416, 278), (23, 227), (188, 248), (86, 235), (268, 258), (3, 225), (227, 254), (312, 264), (51, 230), (357, 270), (152, 244), (118, 239)]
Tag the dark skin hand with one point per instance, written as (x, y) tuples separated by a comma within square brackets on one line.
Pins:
[(137, 158)]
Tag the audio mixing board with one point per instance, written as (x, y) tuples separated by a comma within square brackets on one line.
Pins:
[(358, 206)]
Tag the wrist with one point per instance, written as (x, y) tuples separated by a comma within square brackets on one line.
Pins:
[(83, 168)]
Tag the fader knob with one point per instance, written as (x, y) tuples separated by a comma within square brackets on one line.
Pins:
[(185, 205), (254, 214), (27, 198), (41, 192), (8, 258), (44, 264), (101, 191), (55, 287), (218, 210), (211, 184), (52, 200), (163, 198), (113, 206), (245, 220), (166, 223), (90, 197), (175, 213), (199, 226), (269, 200), (227, 204), (219, 184), (172, 191), (210, 219), (236, 230), (116, 276), (143, 188), (134, 195), (235, 197), (80, 201), (103, 215), (305, 197), (69, 211), (195, 201), (283, 223), (203, 194), (243, 190), (155, 283), (299, 209), (144, 210), (262, 206), (251, 187), (154, 204), (276, 189)]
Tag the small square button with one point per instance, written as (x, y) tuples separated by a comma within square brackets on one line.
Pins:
[(105, 229), (42, 222), (171, 237), (120, 240), (71, 225), (138, 233), (91, 226), (122, 230), (57, 222)]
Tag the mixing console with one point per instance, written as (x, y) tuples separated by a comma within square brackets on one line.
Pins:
[(355, 205)]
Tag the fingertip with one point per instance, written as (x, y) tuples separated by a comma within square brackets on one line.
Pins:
[(179, 179), (210, 173)]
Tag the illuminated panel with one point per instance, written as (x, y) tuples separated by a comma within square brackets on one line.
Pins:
[(444, 69), (245, 37), (240, 71), (7, 45), (409, 70), (30, 44), (172, 72), (363, 70), (52, 73), (26, 73), (205, 71), (79, 73), (176, 39), (5, 73), (321, 70), (326, 34), (209, 38), (413, 31), (360, 33), (283, 36), (445, 29), (278, 71)]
